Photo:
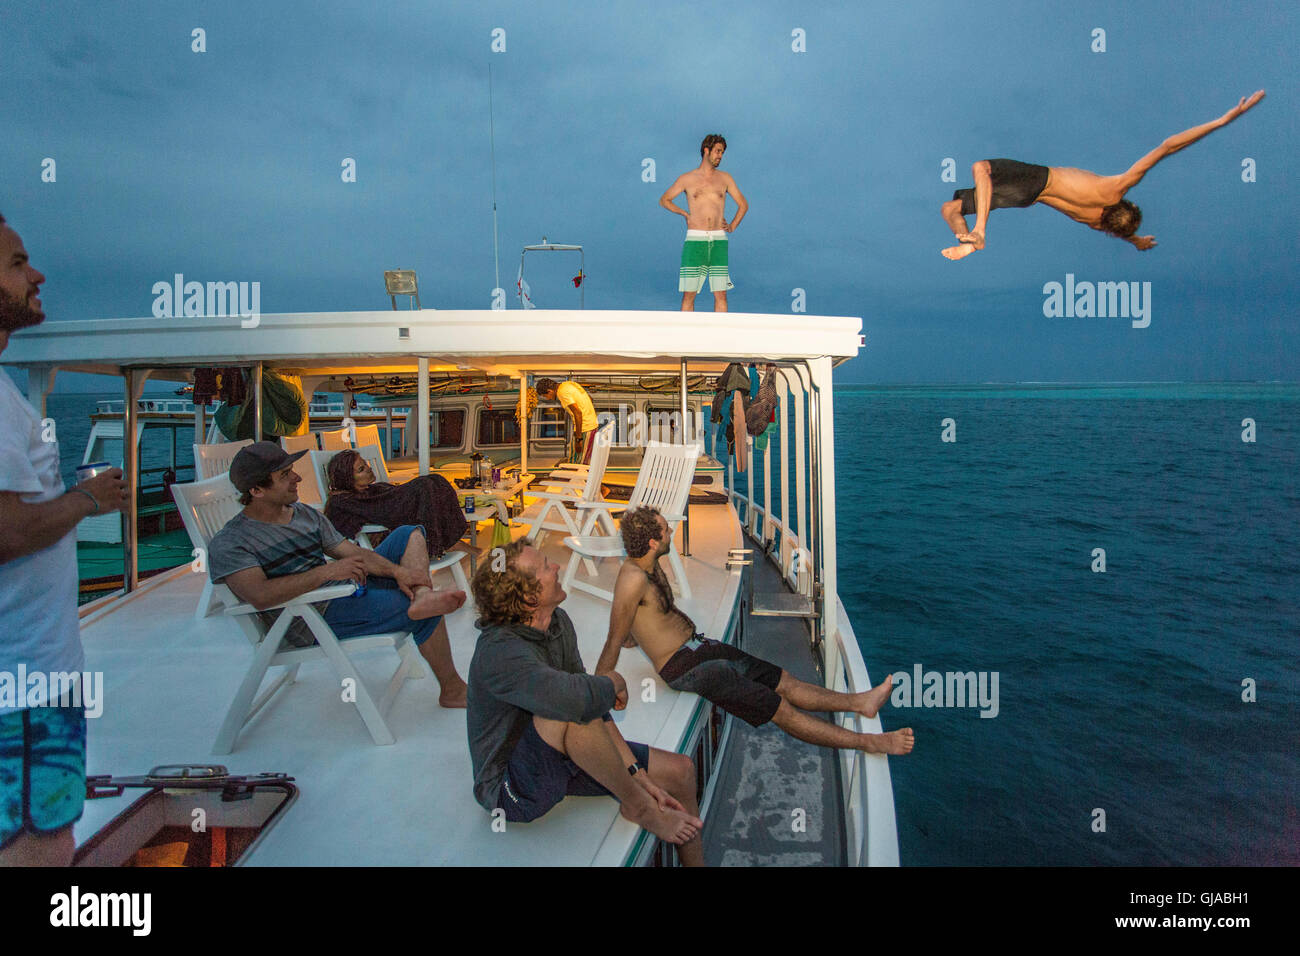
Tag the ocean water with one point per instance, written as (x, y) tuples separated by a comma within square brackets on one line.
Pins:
[(1119, 691)]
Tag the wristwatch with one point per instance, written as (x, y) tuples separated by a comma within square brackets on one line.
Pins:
[(633, 767)]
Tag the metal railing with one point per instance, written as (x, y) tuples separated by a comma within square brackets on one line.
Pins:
[(794, 546)]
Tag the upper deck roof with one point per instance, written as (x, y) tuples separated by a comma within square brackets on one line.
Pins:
[(496, 342)]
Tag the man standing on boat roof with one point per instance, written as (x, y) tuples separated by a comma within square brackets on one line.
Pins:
[(42, 738), (754, 690), (577, 403), (704, 253), (538, 723), (1096, 201), (274, 550)]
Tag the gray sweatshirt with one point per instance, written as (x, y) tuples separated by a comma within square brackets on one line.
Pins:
[(517, 672)]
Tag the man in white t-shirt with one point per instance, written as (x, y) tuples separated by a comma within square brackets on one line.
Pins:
[(42, 739), (577, 403)]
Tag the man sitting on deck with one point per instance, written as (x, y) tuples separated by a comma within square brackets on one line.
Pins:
[(749, 688), (538, 723), (274, 550)]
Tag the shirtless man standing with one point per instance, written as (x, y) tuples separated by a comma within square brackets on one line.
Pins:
[(705, 250), (751, 689), (1096, 201)]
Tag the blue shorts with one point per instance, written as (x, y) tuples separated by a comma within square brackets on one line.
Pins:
[(42, 770), (539, 776), (383, 607)]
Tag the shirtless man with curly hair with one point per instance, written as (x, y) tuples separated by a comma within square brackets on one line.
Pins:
[(754, 690)]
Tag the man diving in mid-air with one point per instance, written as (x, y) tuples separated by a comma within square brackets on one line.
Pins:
[(1096, 201)]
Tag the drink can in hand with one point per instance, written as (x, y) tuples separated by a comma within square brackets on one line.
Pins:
[(86, 472)]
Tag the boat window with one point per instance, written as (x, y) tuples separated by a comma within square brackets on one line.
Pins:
[(497, 427), (447, 428), (663, 423), (619, 414)]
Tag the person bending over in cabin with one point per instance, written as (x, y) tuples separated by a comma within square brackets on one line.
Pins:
[(749, 688), (274, 550), (1086, 197), (42, 734), (538, 723), (575, 400), (704, 253)]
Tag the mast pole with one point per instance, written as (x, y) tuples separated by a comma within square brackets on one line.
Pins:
[(492, 139)]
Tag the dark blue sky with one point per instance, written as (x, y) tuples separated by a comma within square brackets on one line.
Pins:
[(225, 165)]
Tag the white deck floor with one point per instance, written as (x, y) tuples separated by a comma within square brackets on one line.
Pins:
[(169, 679)]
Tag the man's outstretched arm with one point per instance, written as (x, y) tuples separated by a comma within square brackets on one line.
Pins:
[(1182, 140)]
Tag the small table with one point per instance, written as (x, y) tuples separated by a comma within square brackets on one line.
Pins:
[(500, 496)]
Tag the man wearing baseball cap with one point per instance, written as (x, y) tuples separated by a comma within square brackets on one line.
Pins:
[(274, 550)]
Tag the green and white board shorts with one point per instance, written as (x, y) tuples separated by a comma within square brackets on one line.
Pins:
[(704, 253)]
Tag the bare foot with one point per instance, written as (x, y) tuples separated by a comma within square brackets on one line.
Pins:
[(958, 252), (429, 603), (874, 699), (896, 741), (671, 825), (454, 695), (975, 239)]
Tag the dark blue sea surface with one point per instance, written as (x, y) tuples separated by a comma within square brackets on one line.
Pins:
[(1119, 691)]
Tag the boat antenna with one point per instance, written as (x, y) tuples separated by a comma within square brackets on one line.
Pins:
[(492, 138)]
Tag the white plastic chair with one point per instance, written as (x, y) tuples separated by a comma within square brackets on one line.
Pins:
[(267, 653), (205, 507), (555, 500), (295, 443), (664, 483), (213, 460), (311, 490), (336, 440), (368, 435)]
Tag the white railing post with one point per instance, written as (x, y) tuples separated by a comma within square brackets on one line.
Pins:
[(784, 394), (801, 477)]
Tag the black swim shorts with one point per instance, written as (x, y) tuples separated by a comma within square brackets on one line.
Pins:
[(1015, 185), (737, 682), (539, 776)]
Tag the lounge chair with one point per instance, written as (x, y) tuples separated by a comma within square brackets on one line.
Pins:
[(664, 482)]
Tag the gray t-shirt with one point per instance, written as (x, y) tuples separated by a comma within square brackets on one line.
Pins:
[(278, 549), (519, 671)]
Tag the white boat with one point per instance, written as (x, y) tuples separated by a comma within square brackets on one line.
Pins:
[(169, 679)]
